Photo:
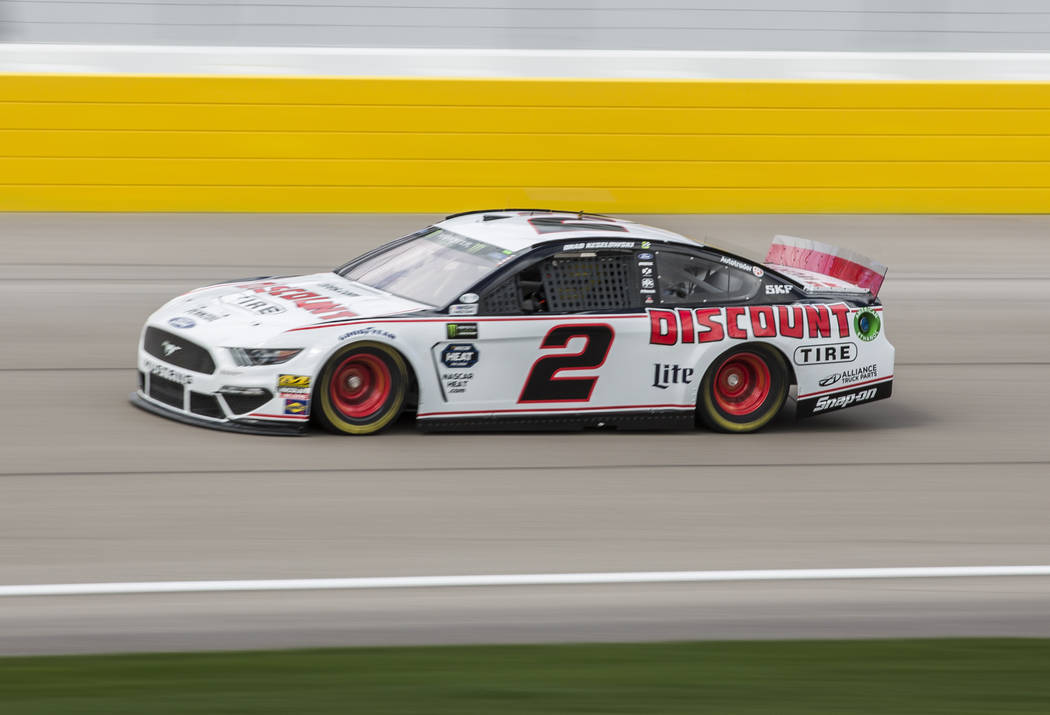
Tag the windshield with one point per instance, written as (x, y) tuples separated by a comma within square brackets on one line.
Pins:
[(433, 268)]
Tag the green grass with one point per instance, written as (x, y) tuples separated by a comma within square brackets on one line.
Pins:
[(888, 676)]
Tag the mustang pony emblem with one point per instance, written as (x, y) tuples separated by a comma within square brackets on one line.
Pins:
[(169, 348)]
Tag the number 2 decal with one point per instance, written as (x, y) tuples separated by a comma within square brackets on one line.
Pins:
[(545, 385)]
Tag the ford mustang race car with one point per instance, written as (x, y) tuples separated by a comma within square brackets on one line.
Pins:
[(509, 319)]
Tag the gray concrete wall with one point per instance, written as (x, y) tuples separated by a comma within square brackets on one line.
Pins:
[(795, 25)]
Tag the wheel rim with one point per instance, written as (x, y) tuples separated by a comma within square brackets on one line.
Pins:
[(360, 385), (742, 384)]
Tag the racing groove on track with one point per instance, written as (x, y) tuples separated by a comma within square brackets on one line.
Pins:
[(951, 471)]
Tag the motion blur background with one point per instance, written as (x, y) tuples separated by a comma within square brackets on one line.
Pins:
[(144, 145), (451, 104), (794, 25)]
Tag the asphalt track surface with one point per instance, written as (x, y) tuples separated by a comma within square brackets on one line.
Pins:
[(954, 470)]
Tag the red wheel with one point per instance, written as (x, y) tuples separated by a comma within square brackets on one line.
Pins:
[(362, 388), (743, 389), (360, 385), (742, 383)]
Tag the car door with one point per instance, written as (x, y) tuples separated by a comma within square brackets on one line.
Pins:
[(705, 303), (565, 331)]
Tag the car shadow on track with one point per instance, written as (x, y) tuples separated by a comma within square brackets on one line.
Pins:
[(873, 418), (882, 416)]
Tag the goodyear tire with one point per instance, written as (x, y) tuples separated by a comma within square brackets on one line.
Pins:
[(744, 389), (362, 389)]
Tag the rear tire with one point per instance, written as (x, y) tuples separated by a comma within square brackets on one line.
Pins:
[(362, 389), (744, 389)]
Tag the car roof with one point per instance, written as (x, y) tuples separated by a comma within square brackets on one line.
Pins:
[(510, 229)]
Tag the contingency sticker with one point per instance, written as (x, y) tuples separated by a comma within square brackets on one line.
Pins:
[(297, 407)]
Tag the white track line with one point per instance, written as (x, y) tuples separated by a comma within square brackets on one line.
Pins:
[(540, 579)]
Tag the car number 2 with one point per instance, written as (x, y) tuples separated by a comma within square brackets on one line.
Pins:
[(544, 384)]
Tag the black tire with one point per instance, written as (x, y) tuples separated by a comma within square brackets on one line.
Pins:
[(362, 389), (744, 389)]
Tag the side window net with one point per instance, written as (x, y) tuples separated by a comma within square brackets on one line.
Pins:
[(574, 283), (521, 293), (503, 299), (566, 284)]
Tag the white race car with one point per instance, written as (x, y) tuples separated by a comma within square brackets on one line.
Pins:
[(512, 319)]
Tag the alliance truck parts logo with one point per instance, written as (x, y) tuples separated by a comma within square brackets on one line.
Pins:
[(849, 377)]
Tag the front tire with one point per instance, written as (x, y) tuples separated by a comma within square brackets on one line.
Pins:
[(744, 389), (362, 389)]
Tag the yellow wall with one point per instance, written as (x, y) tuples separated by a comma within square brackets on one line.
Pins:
[(128, 143)]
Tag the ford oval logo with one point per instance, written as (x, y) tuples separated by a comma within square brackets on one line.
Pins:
[(181, 322)]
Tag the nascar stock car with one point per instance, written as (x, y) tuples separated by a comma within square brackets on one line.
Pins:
[(513, 319)]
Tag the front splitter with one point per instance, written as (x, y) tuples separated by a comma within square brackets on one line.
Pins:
[(244, 427)]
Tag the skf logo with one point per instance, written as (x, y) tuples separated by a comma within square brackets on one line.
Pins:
[(293, 381), (169, 348), (296, 407)]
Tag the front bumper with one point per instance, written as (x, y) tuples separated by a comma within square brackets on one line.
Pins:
[(244, 426), (187, 380)]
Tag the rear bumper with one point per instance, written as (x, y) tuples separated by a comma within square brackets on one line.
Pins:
[(840, 400), (244, 426)]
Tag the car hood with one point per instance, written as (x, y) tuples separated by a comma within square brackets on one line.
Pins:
[(258, 311)]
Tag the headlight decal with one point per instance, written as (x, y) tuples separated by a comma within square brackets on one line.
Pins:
[(248, 357)]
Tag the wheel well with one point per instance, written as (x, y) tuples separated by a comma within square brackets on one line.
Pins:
[(411, 398), (709, 414), (792, 379)]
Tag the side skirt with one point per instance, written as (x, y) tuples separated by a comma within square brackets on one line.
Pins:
[(676, 420)]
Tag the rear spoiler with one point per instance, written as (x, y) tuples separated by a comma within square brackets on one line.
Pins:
[(813, 260)]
